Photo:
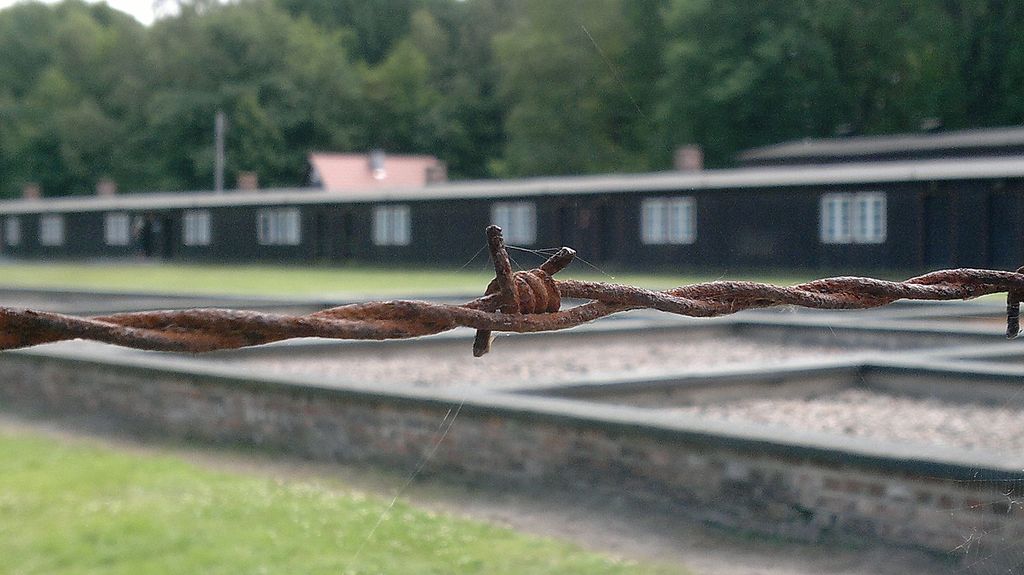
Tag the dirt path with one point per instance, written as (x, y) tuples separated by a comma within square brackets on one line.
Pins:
[(593, 522)]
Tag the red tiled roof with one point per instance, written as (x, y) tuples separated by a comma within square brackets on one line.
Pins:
[(343, 172)]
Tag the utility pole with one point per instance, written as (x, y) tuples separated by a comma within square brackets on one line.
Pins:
[(218, 162)]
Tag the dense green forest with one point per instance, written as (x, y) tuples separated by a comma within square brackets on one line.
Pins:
[(496, 88)]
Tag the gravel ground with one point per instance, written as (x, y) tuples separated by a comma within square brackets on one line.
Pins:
[(518, 362), (864, 413)]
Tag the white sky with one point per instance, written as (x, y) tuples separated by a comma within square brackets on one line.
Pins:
[(141, 10)]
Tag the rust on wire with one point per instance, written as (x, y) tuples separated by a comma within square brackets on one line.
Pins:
[(532, 291), (524, 301), (1014, 296)]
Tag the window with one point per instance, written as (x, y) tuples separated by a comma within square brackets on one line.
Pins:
[(116, 229), (869, 218), (12, 231), (668, 221), (391, 226), (835, 219), (853, 218), (51, 230), (195, 226), (278, 227), (517, 220)]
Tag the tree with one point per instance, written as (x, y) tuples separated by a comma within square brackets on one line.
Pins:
[(558, 66), (404, 113), (376, 26), (67, 100), (990, 55), (896, 62), (493, 87), (642, 67), (286, 85), (471, 117), (741, 74)]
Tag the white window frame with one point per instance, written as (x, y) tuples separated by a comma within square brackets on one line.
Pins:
[(517, 220), (853, 218), (12, 231), (668, 221), (392, 225), (835, 219), (279, 227), (51, 230), (117, 228), (652, 223), (869, 218), (195, 228)]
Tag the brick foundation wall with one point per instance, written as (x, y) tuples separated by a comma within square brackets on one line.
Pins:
[(789, 486)]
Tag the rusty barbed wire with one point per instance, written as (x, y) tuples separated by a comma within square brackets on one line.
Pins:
[(523, 301)]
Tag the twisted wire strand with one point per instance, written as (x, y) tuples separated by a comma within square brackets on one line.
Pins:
[(525, 301)]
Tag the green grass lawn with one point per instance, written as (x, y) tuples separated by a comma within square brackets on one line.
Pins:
[(80, 508), (284, 281)]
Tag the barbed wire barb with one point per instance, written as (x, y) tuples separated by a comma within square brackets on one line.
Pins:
[(522, 301)]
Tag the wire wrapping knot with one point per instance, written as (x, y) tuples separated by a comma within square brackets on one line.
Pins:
[(535, 291), (523, 292)]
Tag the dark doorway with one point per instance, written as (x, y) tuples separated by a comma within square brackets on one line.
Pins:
[(1003, 241), (607, 231), (588, 229), (347, 236), (169, 237), (324, 239), (567, 226), (158, 236), (334, 236), (937, 250)]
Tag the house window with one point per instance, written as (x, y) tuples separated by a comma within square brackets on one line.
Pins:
[(835, 219), (116, 229), (278, 227), (391, 226), (195, 228), (869, 218), (668, 221), (517, 220), (853, 218), (12, 231), (51, 230)]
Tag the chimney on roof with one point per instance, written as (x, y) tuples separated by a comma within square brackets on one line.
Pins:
[(844, 130), (106, 188), (931, 125), (689, 158), (437, 173), (247, 182), (376, 161), (31, 191)]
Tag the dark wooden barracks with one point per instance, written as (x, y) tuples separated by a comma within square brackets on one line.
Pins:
[(907, 202)]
